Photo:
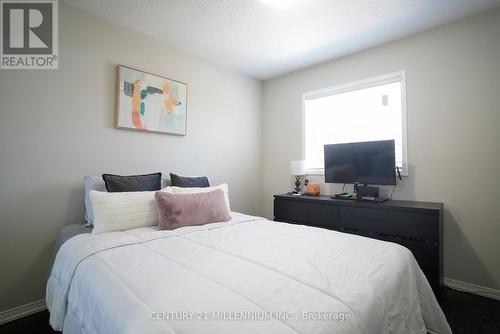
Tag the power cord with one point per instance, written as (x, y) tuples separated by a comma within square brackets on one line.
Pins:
[(393, 189), (392, 192)]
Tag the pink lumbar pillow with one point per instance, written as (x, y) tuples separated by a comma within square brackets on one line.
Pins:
[(178, 210)]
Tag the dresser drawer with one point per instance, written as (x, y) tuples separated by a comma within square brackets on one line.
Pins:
[(415, 226), (306, 213)]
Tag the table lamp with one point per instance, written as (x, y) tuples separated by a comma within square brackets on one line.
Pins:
[(297, 169)]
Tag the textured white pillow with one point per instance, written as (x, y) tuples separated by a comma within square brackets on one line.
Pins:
[(123, 210), (181, 190)]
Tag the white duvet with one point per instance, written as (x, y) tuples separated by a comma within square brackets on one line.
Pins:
[(249, 275)]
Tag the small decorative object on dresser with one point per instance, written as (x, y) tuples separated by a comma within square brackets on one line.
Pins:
[(312, 189), (297, 169)]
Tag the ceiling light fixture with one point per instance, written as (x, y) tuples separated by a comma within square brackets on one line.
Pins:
[(282, 3)]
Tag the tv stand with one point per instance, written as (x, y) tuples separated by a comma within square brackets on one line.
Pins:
[(415, 225)]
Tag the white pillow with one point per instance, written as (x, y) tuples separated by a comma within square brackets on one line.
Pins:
[(123, 210), (181, 190)]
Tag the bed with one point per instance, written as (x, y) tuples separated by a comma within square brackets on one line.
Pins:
[(248, 275)]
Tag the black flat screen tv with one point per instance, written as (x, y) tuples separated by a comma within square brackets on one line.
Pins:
[(366, 162)]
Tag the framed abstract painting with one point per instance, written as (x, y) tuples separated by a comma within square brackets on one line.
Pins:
[(149, 102)]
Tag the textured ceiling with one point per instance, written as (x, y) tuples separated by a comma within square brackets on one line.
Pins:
[(266, 38)]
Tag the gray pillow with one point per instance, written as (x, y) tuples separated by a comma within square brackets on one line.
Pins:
[(122, 183), (189, 182), (97, 183)]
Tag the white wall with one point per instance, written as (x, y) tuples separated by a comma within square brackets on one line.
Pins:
[(453, 99), (57, 126)]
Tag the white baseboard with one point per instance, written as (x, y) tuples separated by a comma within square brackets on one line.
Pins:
[(22, 311), (472, 288)]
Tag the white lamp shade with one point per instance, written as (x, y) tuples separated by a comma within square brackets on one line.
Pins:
[(298, 167)]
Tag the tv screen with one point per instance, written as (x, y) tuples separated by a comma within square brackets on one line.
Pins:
[(367, 162)]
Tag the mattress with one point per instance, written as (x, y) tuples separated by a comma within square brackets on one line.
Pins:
[(249, 275), (69, 231)]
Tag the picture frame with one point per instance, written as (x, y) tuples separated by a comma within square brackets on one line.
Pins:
[(150, 103)]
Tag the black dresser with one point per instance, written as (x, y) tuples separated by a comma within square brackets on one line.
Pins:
[(416, 225)]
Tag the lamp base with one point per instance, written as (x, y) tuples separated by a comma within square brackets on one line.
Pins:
[(297, 185)]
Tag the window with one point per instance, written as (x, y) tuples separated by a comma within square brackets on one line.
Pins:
[(367, 110)]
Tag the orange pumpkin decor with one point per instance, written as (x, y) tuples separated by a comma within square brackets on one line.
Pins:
[(312, 189)]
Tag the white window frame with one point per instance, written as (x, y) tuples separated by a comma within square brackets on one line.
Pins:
[(398, 76)]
